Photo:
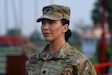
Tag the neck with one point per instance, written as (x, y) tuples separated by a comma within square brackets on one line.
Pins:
[(54, 46)]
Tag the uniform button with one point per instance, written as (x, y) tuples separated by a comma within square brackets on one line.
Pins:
[(44, 72)]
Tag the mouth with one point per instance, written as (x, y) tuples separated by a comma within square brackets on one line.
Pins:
[(46, 34)]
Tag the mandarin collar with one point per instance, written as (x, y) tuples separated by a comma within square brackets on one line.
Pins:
[(60, 54)]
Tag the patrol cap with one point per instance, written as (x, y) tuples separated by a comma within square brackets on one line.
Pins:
[(55, 12)]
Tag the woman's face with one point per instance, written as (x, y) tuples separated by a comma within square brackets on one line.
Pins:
[(52, 30)]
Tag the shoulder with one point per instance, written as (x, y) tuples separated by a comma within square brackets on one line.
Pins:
[(73, 55), (79, 61), (72, 52)]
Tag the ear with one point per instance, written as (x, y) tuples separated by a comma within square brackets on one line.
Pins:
[(65, 28)]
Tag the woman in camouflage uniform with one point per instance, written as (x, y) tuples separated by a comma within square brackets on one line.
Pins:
[(58, 57)]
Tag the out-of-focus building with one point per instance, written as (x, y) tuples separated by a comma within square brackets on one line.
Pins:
[(90, 37), (94, 32), (11, 40)]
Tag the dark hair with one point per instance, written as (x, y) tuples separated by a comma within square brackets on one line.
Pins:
[(68, 33)]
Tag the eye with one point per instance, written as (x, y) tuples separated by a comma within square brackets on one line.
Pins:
[(48, 21), (51, 21), (44, 22)]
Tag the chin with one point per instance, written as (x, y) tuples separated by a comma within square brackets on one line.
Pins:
[(49, 40)]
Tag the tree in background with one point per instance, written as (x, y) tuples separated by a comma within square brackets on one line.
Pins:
[(97, 12), (14, 32), (97, 18)]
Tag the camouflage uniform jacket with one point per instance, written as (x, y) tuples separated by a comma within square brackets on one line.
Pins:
[(67, 61)]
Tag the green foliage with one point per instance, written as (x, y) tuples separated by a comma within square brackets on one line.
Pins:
[(109, 50), (14, 32), (94, 61), (97, 12), (8, 50), (78, 48), (75, 39)]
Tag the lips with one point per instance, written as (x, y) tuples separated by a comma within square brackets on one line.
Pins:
[(46, 34)]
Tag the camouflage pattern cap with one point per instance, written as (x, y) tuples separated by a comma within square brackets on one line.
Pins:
[(55, 12)]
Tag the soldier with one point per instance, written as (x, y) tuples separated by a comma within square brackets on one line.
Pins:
[(58, 57), (28, 48)]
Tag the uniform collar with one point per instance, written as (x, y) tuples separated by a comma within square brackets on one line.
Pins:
[(60, 54)]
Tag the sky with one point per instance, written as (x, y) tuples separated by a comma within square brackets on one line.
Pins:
[(23, 15)]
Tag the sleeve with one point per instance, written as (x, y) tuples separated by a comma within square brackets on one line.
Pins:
[(83, 68), (86, 68)]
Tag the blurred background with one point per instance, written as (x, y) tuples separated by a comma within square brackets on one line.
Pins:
[(20, 35)]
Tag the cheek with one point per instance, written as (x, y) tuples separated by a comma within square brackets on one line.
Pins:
[(56, 30)]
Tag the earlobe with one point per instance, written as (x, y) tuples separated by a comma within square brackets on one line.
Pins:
[(65, 28)]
